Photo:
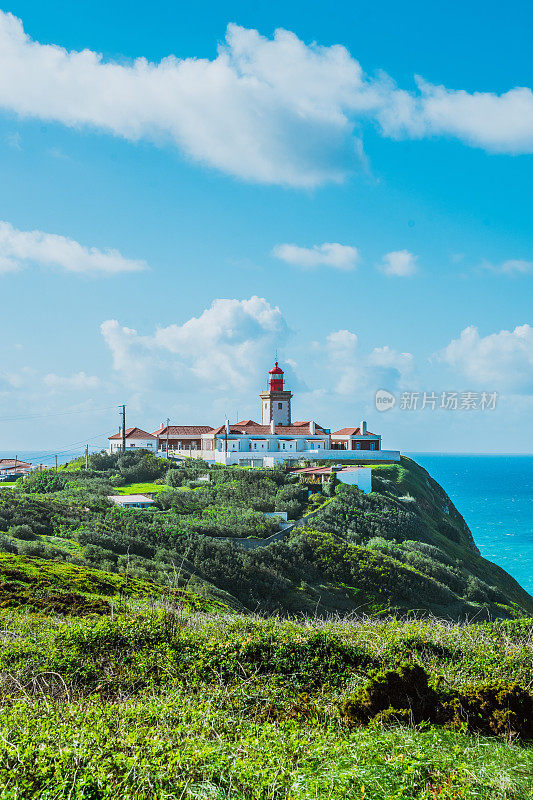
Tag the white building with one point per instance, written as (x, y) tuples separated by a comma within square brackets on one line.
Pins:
[(352, 476), (131, 500), (135, 438), (277, 439)]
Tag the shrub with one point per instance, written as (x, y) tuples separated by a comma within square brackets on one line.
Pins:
[(174, 478), (44, 482), (405, 689), (23, 532), (404, 695), (502, 709), (6, 545), (40, 550)]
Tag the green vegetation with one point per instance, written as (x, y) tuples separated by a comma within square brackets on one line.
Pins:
[(139, 488), (402, 548), (139, 656), (172, 704)]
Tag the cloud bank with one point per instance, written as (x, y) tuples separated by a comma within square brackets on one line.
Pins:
[(355, 373), (501, 360), (270, 110), (330, 254), (18, 248), (224, 349)]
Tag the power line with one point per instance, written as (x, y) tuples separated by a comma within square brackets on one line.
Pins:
[(68, 448), (55, 414)]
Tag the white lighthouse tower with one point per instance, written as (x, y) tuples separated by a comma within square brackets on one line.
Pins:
[(276, 400)]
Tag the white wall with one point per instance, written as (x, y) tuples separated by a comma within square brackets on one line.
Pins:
[(357, 477), (274, 458), (115, 445)]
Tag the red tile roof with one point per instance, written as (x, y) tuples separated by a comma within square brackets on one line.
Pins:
[(251, 427), (352, 432), (182, 430), (8, 463), (133, 433)]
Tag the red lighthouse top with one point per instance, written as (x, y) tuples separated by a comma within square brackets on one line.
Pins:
[(275, 379)]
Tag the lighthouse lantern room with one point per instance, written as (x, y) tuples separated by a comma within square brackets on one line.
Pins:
[(276, 401)]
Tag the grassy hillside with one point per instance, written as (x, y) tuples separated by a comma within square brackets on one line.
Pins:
[(39, 585), (134, 664), (404, 548), (168, 704)]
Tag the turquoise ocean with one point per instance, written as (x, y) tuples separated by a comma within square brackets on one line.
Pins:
[(495, 496)]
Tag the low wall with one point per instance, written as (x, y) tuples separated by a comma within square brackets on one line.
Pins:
[(275, 457)]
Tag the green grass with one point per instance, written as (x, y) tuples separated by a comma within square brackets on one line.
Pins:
[(140, 488), (183, 746), (170, 704), (37, 584)]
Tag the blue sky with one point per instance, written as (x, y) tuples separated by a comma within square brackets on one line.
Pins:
[(143, 207)]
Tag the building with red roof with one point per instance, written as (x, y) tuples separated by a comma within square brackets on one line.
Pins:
[(135, 438), (275, 439), (181, 437), (14, 468)]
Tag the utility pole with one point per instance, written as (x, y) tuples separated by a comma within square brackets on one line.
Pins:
[(56, 463), (123, 407), (86, 456), (168, 423)]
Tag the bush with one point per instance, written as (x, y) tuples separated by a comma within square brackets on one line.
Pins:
[(23, 532), (44, 482), (174, 478), (41, 550), (6, 545), (331, 485), (404, 695), (404, 689)]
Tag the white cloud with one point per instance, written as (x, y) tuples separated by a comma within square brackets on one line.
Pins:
[(226, 348), (329, 254), (269, 110), (77, 382), (51, 250), (498, 123), (356, 373), (399, 263), (513, 266), (501, 360)]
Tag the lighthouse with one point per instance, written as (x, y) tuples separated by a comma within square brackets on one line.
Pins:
[(276, 400)]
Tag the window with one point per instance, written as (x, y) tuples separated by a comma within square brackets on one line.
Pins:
[(280, 405)]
